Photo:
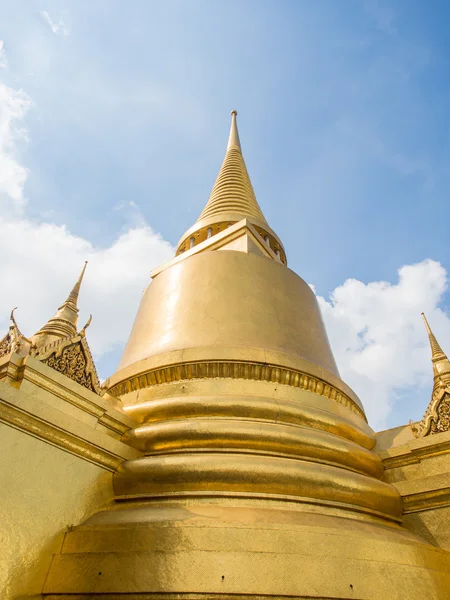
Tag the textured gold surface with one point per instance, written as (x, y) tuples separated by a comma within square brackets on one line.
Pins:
[(59, 444), (258, 550), (43, 492)]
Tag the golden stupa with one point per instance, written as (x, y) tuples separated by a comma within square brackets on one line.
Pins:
[(254, 472)]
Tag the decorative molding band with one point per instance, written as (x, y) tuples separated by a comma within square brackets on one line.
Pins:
[(56, 387), (235, 370), (42, 430), (415, 455), (426, 500)]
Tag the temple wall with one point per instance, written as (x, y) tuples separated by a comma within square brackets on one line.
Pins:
[(60, 444), (44, 491), (420, 470)]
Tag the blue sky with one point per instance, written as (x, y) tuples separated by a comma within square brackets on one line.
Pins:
[(343, 116)]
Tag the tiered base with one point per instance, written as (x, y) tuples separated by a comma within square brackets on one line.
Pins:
[(225, 548)]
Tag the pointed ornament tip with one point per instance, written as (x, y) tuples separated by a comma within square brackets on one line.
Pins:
[(233, 140), (73, 296), (436, 351)]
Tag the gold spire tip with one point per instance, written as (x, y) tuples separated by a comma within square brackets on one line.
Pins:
[(436, 351), (233, 140), (73, 296)]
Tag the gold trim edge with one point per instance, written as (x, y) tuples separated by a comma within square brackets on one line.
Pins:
[(431, 499), (235, 370), (68, 442)]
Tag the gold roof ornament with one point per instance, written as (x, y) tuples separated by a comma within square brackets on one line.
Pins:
[(232, 199), (58, 344), (64, 323), (72, 357), (14, 340), (437, 415)]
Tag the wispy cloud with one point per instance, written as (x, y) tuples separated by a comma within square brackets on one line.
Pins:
[(3, 61), (13, 107), (59, 28)]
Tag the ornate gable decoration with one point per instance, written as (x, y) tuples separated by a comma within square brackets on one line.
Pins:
[(437, 415), (14, 340), (72, 357), (68, 355)]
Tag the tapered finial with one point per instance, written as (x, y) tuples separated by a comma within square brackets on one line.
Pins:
[(232, 199), (436, 351), (64, 322), (72, 299), (233, 140)]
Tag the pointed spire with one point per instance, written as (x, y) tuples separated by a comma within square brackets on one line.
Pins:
[(441, 364), (232, 199), (72, 299), (233, 140), (437, 353), (431, 421), (64, 323), (233, 191)]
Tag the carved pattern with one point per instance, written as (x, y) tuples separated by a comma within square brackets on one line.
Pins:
[(442, 423), (437, 416), (72, 358), (235, 370), (72, 363), (14, 340), (6, 345)]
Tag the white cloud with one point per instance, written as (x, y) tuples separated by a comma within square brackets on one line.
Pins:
[(58, 28), (3, 61), (13, 106), (40, 261), (378, 336)]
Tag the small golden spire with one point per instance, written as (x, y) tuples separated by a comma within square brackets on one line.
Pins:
[(431, 421), (64, 323), (72, 299), (437, 353)]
